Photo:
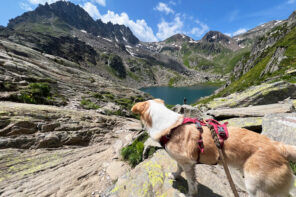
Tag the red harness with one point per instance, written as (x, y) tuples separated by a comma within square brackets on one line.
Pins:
[(220, 129)]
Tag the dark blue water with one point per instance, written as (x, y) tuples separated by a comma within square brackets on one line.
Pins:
[(173, 96)]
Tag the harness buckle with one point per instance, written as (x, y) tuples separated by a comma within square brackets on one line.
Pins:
[(221, 131)]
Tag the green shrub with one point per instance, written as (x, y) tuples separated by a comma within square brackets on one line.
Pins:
[(96, 95), (116, 64), (87, 104), (108, 96), (293, 166), (36, 93), (133, 153)]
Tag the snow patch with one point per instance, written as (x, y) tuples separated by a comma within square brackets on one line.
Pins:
[(214, 37), (108, 39), (128, 46), (241, 46), (83, 31), (193, 41), (130, 52), (277, 22)]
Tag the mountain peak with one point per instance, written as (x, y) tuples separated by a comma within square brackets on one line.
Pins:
[(178, 38), (215, 36), (64, 15)]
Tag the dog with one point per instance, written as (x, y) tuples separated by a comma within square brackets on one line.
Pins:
[(263, 162)]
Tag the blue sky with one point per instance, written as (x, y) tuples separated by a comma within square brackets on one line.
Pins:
[(154, 20)]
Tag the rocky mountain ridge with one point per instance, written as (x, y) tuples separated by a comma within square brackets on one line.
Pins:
[(70, 15), (52, 29)]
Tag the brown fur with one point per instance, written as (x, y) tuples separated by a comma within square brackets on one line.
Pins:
[(265, 163)]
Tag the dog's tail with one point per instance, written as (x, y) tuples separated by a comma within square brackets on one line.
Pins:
[(288, 151)]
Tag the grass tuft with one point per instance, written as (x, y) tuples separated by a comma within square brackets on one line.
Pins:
[(133, 153), (36, 93)]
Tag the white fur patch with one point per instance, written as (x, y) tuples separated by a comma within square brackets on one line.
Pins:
[(162, 118)]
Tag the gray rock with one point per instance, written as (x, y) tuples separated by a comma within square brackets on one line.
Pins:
[(51, 140), (151, 178), (266, 93), (188, 110), (280, 127), (18, 128), (275, 60), (251, 123), (49, 127), (252, 111)]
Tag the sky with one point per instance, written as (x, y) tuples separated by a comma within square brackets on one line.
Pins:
[(156, 20)]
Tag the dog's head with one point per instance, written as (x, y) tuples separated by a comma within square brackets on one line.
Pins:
[(156, 116), (143, 109)]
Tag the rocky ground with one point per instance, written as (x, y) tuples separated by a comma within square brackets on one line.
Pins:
[(71, 153), (151, 178)]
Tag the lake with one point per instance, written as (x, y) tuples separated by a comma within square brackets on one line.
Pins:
[(175, 95)]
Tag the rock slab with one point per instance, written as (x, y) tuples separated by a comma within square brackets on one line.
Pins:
[(151, 178), (252, 111), (282, 128)]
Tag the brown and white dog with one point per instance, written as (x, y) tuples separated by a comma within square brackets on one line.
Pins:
[(264, 163)]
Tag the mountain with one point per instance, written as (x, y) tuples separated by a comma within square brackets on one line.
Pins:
[(215, 37), (178, 38), (271, 59), (66, 30), (248, 38), (65, 16), (214, 53)]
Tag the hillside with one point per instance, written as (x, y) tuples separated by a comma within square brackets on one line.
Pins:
[(271, 59), (65, 30)]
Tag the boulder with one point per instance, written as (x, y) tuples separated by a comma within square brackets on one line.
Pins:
[(252, 111), (151, 178), (19, 128), (266, 93), (51, 140), (109, 108), (188, 110), (251, 123), (282, 128), (49, 127)]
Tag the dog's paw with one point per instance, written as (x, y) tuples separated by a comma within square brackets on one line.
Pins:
[(173, 175)]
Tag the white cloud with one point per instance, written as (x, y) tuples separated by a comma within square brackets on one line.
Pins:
[(162, 7), (138, 27), (25, 6), (36, 2), (92, 10), (101, 2), (291, 1), (200, 29), (228, 34), (167, 29), (239, 31)]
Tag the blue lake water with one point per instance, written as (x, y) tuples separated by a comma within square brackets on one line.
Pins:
[(175, 95)]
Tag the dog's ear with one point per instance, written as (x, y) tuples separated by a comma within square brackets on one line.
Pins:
[(139, 108), (159, 101)]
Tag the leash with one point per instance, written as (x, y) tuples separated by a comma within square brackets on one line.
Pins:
[(222, 156)]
